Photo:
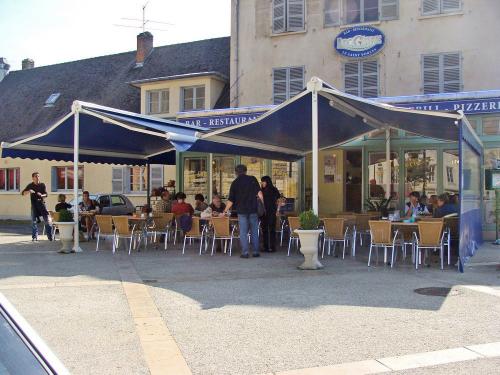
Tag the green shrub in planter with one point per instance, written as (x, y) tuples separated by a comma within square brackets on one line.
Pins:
[(65, 216), (308, 220)]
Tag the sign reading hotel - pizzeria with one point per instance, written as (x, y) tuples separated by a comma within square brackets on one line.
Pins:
[(359, 41)]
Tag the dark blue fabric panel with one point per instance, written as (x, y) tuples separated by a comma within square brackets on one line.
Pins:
[(336, 127), (152, 125), (97, 135), (291, 126), (425, 125)]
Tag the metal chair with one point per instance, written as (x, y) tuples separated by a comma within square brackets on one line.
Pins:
[(222, 231), (54, 216), (194, 233), (123, 230), (335, 231), (430, 236), (162, 225), (381, 236), (104, 228), (293, 223), (362, 226)]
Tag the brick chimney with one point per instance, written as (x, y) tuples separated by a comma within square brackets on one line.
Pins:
[(4, 68), (28, 64), (144, 47)]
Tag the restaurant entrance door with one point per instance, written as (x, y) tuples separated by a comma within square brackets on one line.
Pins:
[(353, 181)]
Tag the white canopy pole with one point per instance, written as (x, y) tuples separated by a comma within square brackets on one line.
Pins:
[(315, 84), (76, 148), (388, 168)]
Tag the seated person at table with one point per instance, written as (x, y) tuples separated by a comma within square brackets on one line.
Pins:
[(445, 207), (62, 205), (180, 207), (414, 207), (88, 205), (164, 204), (216, 208), (200, 204)]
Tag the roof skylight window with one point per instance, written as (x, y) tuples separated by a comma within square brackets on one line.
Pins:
[(51, 100)]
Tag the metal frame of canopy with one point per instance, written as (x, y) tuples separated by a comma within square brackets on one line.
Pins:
[(339, 101), (147, 125)]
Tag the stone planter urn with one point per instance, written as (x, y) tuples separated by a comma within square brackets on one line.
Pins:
[(66, 235), (309, 248)]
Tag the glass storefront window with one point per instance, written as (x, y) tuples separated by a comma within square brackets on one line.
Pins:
[(420, 172), (451, 166), (285, 177), (255, 166), (222, 175), (377, 174), (491, 125), (490, 162), (195, 177)]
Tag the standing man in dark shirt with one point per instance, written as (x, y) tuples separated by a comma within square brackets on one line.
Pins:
[(38, 192), (243, 195)]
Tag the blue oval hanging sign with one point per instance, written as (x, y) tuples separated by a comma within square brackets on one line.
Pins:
[(359, 41)]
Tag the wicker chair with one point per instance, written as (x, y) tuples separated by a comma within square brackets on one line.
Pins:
[(381, 236), (362, 226), (222, 231), (123, 230), (293, 223), (335, 231), (430, 236), (162, 225), (196, 233), (104, 228)]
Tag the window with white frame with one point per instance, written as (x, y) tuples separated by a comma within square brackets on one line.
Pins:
[(193, 98), (441, 72), (361, 78), (287, 82), (62, 178), (132, 179), (10, 179), (433, 7), (288, 15), (343, 12), (157, 101)]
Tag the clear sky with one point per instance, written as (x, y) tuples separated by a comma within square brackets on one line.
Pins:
[(54, 31)]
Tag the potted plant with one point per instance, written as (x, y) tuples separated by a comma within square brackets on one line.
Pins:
[(309, 236), (65, 226)]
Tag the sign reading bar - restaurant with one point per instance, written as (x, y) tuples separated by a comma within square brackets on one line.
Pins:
[(220, 121)]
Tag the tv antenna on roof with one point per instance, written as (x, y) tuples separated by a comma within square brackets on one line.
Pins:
[(144, 21)]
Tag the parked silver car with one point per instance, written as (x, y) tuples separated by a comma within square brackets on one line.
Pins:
[(111, 204)]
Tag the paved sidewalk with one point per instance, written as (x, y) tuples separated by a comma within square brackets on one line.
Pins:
[(254, 316)]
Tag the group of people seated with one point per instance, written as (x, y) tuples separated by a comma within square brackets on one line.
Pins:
[(438, 205), (179, 206)]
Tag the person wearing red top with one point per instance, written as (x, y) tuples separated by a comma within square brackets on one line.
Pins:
[(181, 207)]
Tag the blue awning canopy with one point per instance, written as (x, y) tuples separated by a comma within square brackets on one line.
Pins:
[(106, 135), (341, 118)]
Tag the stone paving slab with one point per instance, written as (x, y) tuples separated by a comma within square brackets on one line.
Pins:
[(235, 316)]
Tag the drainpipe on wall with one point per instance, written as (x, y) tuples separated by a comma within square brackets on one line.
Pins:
[(237, 101)]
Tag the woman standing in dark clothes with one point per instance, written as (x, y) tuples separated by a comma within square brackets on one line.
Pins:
[(268, 221)]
